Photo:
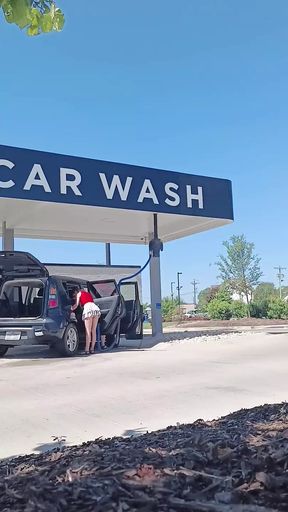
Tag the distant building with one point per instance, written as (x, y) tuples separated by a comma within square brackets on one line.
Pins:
[(241, 297), (186, 308)]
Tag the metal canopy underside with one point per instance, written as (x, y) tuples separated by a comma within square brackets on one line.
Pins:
[(51, 196), (32, 219)]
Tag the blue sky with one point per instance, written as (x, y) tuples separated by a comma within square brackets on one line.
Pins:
[(193, 86)]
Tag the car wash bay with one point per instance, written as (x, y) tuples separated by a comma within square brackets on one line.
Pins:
[(59, 197)]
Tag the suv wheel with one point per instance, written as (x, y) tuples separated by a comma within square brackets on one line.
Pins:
[(3, 350), (70, 342)]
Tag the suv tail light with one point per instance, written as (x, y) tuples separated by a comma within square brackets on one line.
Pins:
[(53, 299), (52, 303)]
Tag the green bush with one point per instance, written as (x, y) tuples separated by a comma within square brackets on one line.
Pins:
[(224, 294), (259, 309), (219, 309), (255, 310), (277, 308), (239, 309), (169, 309)]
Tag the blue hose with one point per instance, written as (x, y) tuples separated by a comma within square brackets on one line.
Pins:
[(136, 273)]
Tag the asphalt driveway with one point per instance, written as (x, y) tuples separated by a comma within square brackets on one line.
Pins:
[(46, 400)]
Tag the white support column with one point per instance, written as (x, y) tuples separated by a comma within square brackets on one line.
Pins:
[(155, 286), (155, 292), (7, 238)]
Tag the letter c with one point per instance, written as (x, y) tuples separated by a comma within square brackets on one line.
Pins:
[(10, 165)]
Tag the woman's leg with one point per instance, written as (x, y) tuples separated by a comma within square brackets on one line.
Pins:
[(88, 329), (94, 331)]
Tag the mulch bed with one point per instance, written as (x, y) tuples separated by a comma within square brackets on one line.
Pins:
[(238, 463)]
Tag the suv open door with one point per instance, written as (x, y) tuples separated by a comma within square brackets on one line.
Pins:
[(109, 300), (132, 322)]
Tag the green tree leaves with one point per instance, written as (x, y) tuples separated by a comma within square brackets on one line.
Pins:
[(169, 308), (278, 308), (264, 292), (37, 16), (16, 12), (219, 308), (240, 267), (206, 295)]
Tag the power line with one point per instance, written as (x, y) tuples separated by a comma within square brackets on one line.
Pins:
[(280, 276)]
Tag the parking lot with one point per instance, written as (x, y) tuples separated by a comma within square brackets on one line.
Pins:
[(47, 400)]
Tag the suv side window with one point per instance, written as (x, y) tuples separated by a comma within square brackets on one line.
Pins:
[(70, 285)]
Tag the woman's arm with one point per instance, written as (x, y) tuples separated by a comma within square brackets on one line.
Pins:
[(75, 306)]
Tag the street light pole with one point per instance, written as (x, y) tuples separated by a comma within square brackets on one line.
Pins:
[(178, 289), (172, 290)]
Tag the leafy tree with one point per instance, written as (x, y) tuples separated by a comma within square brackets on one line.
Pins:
[(36, 16), (169, 308), (264, 292), (240, 267), (262, 296), (224, 294), (206, 295)]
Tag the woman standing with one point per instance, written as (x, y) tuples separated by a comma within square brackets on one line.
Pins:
[(91, 314)]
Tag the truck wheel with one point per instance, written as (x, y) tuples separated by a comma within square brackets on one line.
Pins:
[(69, 345), (3, 350)]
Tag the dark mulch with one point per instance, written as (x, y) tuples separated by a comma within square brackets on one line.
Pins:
[(238, 463)]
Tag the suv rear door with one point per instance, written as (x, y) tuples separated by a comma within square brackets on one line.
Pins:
[(18, 264), (132, 322)]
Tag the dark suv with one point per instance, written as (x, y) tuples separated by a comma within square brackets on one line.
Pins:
[(35, 307)]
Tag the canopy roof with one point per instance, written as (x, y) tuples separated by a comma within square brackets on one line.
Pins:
[(45, 195)]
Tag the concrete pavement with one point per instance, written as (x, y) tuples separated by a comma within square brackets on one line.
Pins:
[(132, 391)]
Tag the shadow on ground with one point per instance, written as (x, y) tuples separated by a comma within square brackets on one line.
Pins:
[(40, 353), (20, 355), (57, 443), (135, 432)]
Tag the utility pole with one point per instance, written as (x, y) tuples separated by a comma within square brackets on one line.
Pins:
[(172, 290), (194, 284), (280, 276), (178, 289)]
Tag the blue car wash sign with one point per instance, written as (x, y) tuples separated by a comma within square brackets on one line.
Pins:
[(41, 176)]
